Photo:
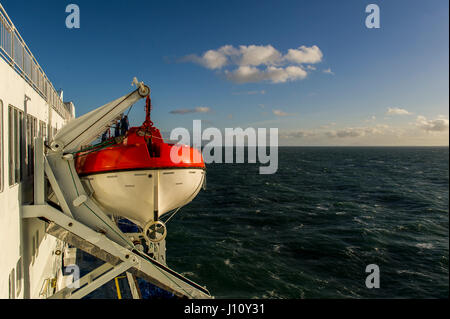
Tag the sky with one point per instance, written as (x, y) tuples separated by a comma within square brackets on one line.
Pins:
[(312, 69)]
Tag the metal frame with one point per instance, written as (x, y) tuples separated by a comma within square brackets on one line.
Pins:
[(75, 233), (133, 286), (91, 281)]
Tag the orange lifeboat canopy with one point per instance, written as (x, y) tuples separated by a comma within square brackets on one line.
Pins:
[(139, 149)]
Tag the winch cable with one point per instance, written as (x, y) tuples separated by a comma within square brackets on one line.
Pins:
[(173, 214)]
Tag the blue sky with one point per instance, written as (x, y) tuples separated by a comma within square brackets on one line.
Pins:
[(386, 86)]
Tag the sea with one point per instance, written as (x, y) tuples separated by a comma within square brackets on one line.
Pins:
[(312, 229)]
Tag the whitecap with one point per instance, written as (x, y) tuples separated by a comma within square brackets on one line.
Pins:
[(228, 263), (273, 276), (188, 273), (425, 245), (409, 272)]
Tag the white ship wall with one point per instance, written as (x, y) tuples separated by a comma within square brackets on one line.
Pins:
[(14, 235)]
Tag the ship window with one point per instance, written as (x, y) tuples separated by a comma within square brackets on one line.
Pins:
[(33, 249), (12, 285), (35, 128), (15, 143), (29, 143), (20, 144), (42, 130), (31, 134), (11, 130), (16, 147), (19, 276), (37, 242), (1, 146), (45, 132)]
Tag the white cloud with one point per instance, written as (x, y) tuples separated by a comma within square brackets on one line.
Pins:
[(210, 59), (357, 131), (423, 131), (438, 125), (327, 126), (304, 55), (328, 71), (350, 133), (256, 63), (371, 119), (397, 111), (198, 109), (298, 134), (347, 132), (280, 113), (247, 74), (214, 60), (262, 92), (202, 109), (258, 55)]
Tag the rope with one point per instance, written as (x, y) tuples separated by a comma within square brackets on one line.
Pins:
[(96, 150), (176, 211), (129, 110), (102, 144)]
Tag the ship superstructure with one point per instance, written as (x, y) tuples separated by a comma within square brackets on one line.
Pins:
[(30, 107)]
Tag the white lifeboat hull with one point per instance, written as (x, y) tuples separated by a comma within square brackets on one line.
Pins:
[(144, 195)]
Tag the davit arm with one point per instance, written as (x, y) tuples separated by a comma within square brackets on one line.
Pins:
[(85, 129)]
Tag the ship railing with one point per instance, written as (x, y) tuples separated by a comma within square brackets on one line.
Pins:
[(16, 53)]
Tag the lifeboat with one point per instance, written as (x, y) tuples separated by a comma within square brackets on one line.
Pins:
[(134, 176)]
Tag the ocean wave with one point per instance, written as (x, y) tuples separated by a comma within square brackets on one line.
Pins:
[(425, 245)]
